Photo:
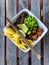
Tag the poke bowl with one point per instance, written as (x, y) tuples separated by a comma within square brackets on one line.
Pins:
[(29, 25)]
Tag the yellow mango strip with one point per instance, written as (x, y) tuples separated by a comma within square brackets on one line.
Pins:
[(17, 42), (16, 35), (9, 35), (31, 42), (9, 30), (20, 42), (23, 43)]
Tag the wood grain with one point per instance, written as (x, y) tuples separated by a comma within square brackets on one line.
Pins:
[(42, 41), (29, 53), (46, 22), (17, 51), (2, 39), (6, 40), (35, 8), (12, 56)]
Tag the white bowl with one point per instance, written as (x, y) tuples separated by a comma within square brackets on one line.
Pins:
[(39, 22)]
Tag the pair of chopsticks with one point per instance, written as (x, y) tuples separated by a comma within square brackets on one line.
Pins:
[(24, 39)]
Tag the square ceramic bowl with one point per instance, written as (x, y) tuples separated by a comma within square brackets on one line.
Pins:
[(39, 23)]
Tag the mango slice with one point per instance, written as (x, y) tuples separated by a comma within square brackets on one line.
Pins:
[(9, 32)]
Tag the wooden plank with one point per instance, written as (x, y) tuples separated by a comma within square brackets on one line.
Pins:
[(29, 53), (46, 22), (42, 40), (23, 56), (2, 23), (17, 50), (6, 43), (11, 46), (35, 9)]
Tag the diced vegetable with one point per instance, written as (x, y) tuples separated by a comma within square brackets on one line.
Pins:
[(31, 22)]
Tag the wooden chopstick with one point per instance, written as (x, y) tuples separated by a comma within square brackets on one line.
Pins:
[(24, 39)]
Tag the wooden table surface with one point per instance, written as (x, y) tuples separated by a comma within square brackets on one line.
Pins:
[(22, 58)]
